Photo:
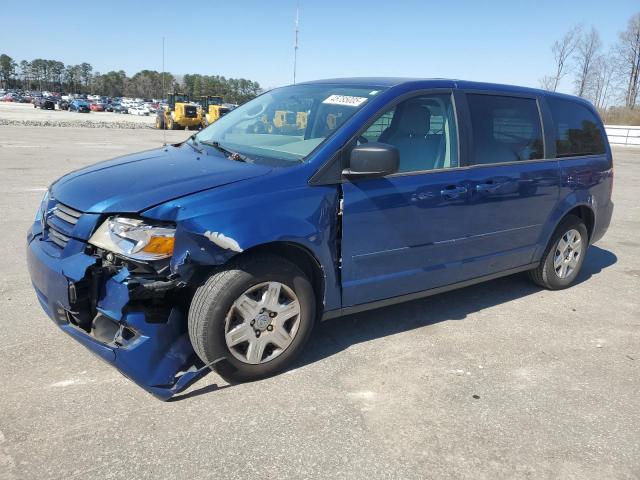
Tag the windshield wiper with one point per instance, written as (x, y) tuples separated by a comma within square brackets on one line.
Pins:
[(229, 153), (191, 143)]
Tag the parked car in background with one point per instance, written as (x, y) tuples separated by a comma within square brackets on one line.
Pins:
[(79, 106), (152, 107), (139, 110), (119, 108), (96, 107), (310, 202), (63, 104), (44, 103)]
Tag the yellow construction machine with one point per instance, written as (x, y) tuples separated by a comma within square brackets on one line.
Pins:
[(212, 109), (179, 113), (285, 121)]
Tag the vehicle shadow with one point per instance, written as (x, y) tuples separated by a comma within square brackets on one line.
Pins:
[(335, 335), (213, 387)]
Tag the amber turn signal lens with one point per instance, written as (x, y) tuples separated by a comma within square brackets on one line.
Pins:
[(160, 245)]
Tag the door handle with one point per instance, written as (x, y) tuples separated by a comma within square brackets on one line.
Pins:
[(487, 187), (453, 191)]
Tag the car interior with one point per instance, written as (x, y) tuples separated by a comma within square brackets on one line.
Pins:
[(420, 129)]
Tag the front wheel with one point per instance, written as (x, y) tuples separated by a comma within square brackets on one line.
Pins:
[(257, 315), (564, 256)]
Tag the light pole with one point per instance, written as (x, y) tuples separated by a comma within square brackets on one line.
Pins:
[(295, 45)]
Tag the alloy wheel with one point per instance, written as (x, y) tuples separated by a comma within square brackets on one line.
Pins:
[(567, 254), (262, 323)]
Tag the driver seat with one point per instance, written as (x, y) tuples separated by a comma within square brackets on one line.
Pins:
[(409, 133)]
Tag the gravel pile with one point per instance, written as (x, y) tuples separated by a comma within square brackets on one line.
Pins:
[(74, 123)]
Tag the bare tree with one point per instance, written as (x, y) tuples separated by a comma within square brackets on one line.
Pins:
[(587, 49), (547, 82), (601, 82), (562, 50), (628, 56)]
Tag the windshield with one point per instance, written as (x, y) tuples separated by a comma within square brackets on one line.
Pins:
[(285, 125)]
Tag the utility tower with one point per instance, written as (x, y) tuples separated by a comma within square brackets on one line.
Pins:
[(295, 45)]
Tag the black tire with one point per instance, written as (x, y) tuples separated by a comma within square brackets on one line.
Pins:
[(214, 299), (545, 274)]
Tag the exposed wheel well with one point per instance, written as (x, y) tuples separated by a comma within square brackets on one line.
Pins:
[(587, 216), (303, 259)]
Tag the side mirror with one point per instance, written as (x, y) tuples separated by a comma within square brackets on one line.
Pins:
[(372, 160)]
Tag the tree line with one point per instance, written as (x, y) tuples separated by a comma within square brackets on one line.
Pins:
[(607, 76), (53, 75)]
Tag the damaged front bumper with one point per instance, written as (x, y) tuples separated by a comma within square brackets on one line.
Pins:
[(123, 318)]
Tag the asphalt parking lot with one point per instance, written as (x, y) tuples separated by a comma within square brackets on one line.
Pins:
[(499, 380)]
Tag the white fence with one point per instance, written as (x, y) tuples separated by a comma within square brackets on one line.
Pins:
[(623, 134)]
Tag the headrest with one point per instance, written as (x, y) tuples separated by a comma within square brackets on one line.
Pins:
[(415, 120)]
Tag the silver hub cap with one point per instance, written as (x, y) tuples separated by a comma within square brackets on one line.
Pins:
[(262, 322), (568, 252)]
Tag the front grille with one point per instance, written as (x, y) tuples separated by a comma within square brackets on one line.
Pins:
[(190, 111), (58, 238), (67, 214), (61, 220)]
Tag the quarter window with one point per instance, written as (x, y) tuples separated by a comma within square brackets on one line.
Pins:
[(577, 129), (505, 129), (423, 129)]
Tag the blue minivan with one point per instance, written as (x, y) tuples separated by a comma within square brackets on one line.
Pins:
[(310, 202)]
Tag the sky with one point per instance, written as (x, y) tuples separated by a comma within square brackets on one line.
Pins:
[(503, 41)]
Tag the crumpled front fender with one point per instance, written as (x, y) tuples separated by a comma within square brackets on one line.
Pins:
[(153, 351), (158, 356)]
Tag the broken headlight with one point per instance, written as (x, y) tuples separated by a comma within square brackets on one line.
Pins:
[(135, 239)]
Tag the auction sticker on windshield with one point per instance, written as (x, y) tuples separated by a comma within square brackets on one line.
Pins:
[(345, 100)]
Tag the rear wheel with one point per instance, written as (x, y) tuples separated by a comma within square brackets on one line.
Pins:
[(564, 256), (170, 124), (159, 124), (257, 315)]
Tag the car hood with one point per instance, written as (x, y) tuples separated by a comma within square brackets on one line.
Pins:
[(136, 182)]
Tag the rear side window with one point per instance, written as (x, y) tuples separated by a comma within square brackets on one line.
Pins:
[(577, 129), (505, 129)]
